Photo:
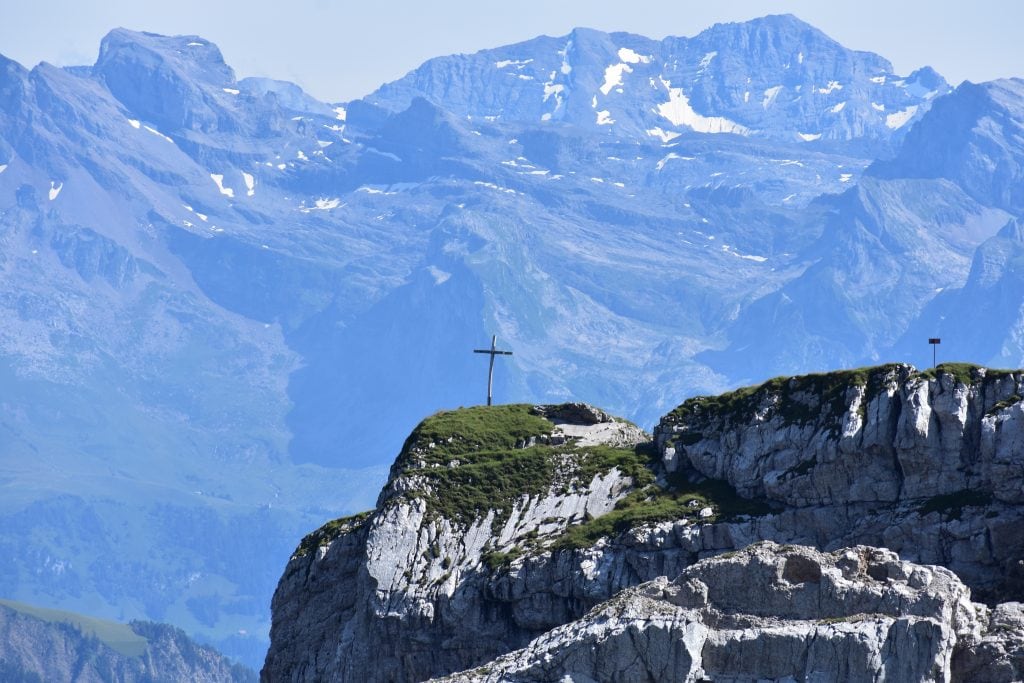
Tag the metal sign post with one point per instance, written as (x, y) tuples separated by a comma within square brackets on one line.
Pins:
[(934, 341)]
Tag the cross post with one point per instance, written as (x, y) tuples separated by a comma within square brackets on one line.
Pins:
[(493, 351)]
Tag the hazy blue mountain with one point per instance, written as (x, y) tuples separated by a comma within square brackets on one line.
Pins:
[(985, 317), (775, 77), (224, 303), (903, 237), (39, 645)]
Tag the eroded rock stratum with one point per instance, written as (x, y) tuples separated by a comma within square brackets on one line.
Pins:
[(538, 536)]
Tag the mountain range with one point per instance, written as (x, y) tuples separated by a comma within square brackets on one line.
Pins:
[(224, 302)]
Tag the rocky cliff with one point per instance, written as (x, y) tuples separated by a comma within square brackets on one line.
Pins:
[(782, 613), (500, 524)]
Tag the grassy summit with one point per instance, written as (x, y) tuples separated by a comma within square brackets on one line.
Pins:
[(472, 461), (816, 397)]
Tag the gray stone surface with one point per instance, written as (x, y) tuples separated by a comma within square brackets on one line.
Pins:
[(779, 613), (924, 466)]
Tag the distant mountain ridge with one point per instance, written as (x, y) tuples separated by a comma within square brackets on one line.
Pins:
[(775, 77), (222, 301), (46, 645)]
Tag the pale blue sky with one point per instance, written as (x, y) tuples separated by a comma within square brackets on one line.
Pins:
[(340, 50)]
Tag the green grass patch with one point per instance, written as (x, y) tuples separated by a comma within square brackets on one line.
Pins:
[(496, 559), (495, 480), (117, 636), (653, 503), (469, 432), (800, 400), (963, 373), (951, 505), (330, 531), (472, 461), (1004, 404)]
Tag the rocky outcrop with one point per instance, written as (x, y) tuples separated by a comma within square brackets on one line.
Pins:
[(894, 456), (78, 649), (498, 525), (781, 613), (409, 590)]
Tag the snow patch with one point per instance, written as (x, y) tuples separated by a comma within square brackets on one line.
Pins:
[(195, 45), (604, 118), (613, 76), (154, 131), (55, 189), (809, 137), (440, 276), (340, 113), (3, 167), (218, 178), (325, 204), (799, 57), (494, 187), (631, 57), (231, 91), (134, 123), (845, 177), (838, 108), (746, 97), (669, 157), (301, 155), (877, 79), (832, 85), (281, 167), (900, 118), (324, 143), (769, 96), (202, 216), (553, 89), (250, 183), (680, 113), (566, 68), (749, 257), (877, 107), (517, 63), (705, 61)]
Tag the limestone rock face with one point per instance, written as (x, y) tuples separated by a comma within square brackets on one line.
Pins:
[(895, 456), (779, 613), (474, 551), (406, 592)]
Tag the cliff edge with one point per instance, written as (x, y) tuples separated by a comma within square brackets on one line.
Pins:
[(500, 524)]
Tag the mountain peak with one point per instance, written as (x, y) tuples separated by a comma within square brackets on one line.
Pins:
[(201, 57), (776, 76), (170, 80)]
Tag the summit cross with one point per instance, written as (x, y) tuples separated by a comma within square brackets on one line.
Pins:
[(493, 351)]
